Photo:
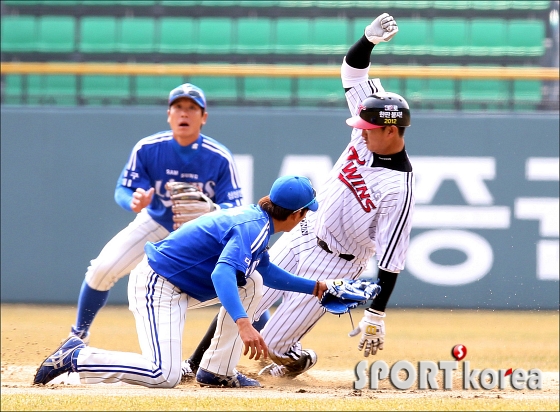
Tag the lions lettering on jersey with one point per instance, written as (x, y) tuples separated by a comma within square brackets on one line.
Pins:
[(158, 158)]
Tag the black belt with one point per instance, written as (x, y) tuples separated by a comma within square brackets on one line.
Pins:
[(323, 245)]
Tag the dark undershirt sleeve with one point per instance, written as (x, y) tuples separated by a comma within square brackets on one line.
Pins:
[(387, 281), (359, 54)]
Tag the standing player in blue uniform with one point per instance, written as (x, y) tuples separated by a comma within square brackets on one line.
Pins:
[(209, 259), (180, 154)]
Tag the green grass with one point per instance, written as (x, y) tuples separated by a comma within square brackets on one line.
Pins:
[(62, 402)]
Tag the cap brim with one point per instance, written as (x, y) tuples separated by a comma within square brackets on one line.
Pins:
[(314, 206), (360, 123), (185, 97)]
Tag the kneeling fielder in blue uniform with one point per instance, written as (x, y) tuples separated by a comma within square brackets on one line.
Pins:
[(212, 258)]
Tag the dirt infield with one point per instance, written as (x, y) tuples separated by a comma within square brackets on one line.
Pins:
[(323, 389), (29, 333)]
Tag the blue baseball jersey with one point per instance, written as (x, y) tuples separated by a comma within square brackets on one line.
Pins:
[(158, 158), (189, 255)]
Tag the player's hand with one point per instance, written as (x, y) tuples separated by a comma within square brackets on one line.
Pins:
[(141, 199), (320, 289), (372, 327), (252, 339), (383, 28)]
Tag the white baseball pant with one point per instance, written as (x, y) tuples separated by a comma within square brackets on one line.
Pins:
[(124, 251)]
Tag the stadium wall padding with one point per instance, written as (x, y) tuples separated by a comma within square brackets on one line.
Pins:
[(485, 230)]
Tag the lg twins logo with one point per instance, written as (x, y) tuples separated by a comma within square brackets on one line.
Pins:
[(355, 182), (426, 372)]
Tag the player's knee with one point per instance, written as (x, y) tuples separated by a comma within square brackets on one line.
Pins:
[(169, 378), (100, 277), (173, 379), (168, 384), (101, 284)]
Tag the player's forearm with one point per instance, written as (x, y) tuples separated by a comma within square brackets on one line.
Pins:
[(123, 197), (359, 54), (277, 278), (387, 281), (355, 67)]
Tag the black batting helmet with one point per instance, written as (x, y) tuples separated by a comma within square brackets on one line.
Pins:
[(381, 109)]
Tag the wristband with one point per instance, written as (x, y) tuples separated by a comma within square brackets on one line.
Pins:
[(316, 289)]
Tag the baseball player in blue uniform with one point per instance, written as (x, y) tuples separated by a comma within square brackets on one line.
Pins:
[(366, 210), (212, 258), (182, 154)]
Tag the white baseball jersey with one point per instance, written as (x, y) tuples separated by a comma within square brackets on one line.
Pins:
[(365, 209), (366, 206)]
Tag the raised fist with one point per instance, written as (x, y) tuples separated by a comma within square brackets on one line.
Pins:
[(383, 28)]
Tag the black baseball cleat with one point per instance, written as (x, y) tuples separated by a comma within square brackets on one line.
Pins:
[(59, 362), (307, 360), (188, 370)]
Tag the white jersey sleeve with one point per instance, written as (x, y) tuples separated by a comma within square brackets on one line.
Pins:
[(351, 76), (359, 84)]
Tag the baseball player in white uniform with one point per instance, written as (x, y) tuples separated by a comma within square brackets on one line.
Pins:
[(366, 210), (211, 259), (181, 154)]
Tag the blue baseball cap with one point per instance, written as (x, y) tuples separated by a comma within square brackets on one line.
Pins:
[(189, 91), (293, 193)]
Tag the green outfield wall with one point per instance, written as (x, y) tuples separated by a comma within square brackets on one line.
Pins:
[(486, 226)]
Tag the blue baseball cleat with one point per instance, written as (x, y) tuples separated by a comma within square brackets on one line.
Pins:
[(59, 362), (205, 378)]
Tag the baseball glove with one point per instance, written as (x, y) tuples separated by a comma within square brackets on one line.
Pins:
[(188, 202), (345, 294)]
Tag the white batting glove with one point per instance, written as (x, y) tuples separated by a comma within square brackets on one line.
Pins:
[(372, 327), (383, 28)]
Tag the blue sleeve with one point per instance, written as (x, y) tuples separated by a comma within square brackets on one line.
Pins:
[(127, 186), (228, 193), (134, 173), (237, 250), (277, 278), (225, 283), (123, 197)]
